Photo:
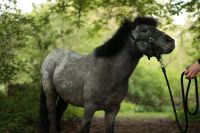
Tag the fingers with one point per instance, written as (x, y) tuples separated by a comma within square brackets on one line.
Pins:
[(188, 75), (191, 74), (186, 71), (192, 71)]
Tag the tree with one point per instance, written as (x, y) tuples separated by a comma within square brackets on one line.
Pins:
[(192, 8), (12, 38)]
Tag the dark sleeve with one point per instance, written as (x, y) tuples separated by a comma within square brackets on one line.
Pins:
[(199, 61)]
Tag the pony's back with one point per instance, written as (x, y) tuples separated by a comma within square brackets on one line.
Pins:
[(54, 59)]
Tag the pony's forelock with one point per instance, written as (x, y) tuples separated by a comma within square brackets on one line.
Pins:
[(145, 21)]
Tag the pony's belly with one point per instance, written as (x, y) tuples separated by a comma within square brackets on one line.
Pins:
[(108, 97), (109, 101), (114, 99)]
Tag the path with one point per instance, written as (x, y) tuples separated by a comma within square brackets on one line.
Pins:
[(127, 125)]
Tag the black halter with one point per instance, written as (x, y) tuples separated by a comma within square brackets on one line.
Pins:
[(150, 41)]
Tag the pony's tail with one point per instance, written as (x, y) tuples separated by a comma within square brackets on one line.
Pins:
[(44, 123)]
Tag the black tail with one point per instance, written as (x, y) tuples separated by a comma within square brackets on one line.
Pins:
[(44, 123)]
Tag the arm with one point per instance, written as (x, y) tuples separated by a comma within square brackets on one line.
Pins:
[(193, 70)]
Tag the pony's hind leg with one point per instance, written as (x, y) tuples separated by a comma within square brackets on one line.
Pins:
[(51, 107), (51, 97), (110, 116), (60, 109)]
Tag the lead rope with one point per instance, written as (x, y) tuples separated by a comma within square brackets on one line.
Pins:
[(184, 98)]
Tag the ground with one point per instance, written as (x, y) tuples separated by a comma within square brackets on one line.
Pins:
[(130, 125)]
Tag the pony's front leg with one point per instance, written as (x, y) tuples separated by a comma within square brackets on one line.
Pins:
[(88, 114), (110, 116)]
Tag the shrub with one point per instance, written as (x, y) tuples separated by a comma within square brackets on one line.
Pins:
[(19, 112), (147, 87)]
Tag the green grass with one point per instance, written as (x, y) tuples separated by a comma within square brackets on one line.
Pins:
[(145, 115), (130, 110), (138, 115), (127, 110)]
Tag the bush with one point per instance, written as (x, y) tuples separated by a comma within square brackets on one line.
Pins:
[(73, 112), (128, 107), (19, 112), (147, 87)]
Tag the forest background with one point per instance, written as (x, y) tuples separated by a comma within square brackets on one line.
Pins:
[(82, 25)]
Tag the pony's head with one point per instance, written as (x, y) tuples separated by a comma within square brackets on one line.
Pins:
[(143, 34), (148, 39)]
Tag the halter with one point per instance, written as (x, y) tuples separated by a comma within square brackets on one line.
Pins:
[(150, 41)]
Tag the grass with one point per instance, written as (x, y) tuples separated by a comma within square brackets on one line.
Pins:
[(145, 115), (138, 115), (127, 110)]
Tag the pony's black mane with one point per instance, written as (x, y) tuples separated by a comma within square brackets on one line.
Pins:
[(116, 43)]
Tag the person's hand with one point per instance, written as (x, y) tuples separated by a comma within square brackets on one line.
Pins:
[(192, 71)]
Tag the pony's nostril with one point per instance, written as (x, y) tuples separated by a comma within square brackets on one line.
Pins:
[(169, 39)]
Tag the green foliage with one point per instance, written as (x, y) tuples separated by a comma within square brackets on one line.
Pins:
[(192, 118), (25, 39), (128, 107), (12, 38), (19, 112), (196, 39), (73, 112), (192, 9), (143, 90), (147, 86)]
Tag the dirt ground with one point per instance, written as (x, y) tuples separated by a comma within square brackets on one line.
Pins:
[(126, 125)]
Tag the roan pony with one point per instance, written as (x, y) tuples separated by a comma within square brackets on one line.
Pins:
[(99, 80)]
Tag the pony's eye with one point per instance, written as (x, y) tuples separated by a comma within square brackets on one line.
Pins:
[(144, 30)]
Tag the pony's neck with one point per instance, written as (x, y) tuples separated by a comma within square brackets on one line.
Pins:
[(128, 58)]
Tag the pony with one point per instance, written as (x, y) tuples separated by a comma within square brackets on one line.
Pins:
[(99, 80)]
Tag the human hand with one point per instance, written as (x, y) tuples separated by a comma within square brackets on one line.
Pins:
[(192, 71)]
